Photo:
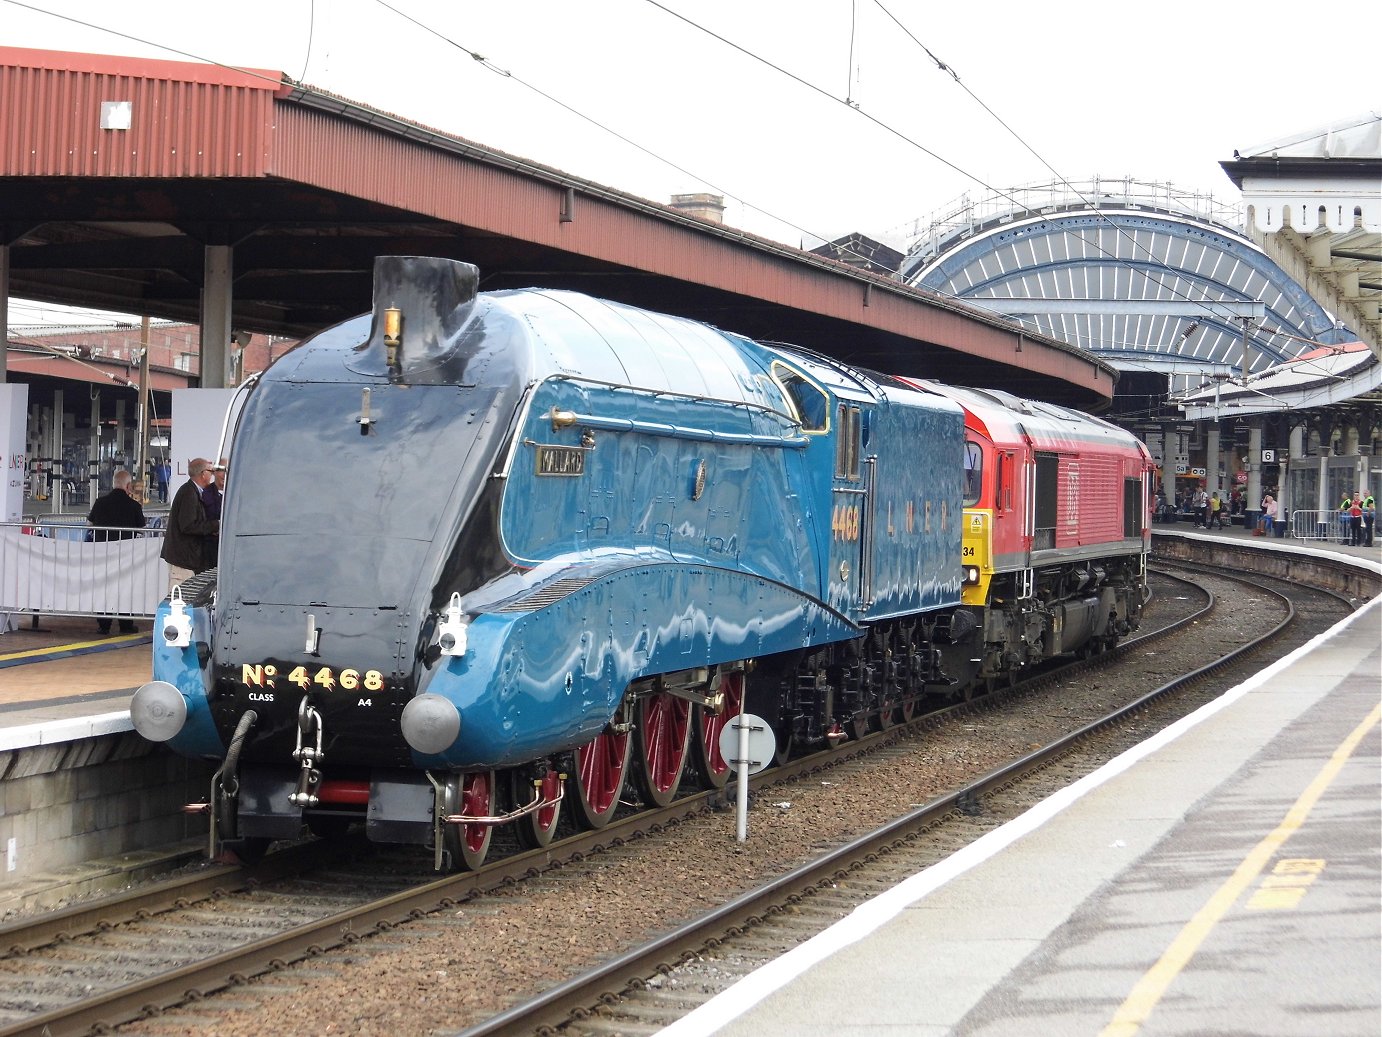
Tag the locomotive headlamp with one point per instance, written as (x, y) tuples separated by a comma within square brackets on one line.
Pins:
[(177, 628), (451, 631), (971, 574)]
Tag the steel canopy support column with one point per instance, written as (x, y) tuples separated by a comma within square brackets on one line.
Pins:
[(1291, 472), (1212, 458), (1253, 505), (4, 311), (217, 269), (1352, 442)]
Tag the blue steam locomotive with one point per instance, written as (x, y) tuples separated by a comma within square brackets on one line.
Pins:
[(508, 557)]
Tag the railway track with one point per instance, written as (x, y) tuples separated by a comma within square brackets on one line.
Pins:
[(345, 923), (654, 985)]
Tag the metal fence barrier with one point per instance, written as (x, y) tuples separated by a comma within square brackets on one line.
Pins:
[(1319, 525), (58, 567)]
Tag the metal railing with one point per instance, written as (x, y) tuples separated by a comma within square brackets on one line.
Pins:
[(58, 567), (1319, 525)]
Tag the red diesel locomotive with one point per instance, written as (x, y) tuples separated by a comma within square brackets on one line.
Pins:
[(1056, 529)]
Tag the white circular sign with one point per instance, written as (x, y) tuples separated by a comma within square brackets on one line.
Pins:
[(762, 742)]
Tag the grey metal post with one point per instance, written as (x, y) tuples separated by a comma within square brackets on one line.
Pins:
[(1253, 505), (216, 300), (1211, 460), (4, 311)]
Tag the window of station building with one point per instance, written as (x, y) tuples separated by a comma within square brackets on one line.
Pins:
[(848, 442), (974, 472), (807, 398)]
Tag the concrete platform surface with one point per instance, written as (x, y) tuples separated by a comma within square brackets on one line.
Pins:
[(1222, 878)]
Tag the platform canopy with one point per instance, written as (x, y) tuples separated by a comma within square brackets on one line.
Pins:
[(247, 202), (1345, 377)]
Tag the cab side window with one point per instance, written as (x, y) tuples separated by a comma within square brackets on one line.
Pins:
[(848, 442), (806, 397), (974, 473)]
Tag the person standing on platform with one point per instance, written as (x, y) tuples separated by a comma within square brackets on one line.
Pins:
[(189, 543), (1369, 518), (211, 500), (1346, 520), (121, 509), (161, 475), (1355, 520), (1216, 511)]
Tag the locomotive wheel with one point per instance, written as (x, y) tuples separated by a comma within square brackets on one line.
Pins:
[(711, 768), (472, 794), (535, 830), (664, 735), (906, 709), (602, 767), (858, 724)]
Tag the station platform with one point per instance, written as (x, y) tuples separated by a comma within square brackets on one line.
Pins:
[(1223, 877), (62, 680)]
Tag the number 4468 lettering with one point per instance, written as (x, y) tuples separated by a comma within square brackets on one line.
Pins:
[(265, 675)]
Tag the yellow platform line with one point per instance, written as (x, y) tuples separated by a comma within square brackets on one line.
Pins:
[(75, 646), (1154, 984)]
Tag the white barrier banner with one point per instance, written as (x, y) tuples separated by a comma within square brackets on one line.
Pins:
[(68, 576)]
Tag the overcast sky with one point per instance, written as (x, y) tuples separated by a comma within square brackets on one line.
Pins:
[(812, 117)]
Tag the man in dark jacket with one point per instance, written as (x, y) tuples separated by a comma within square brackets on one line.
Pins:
[(118, 508), (186, 543), (211, 501)]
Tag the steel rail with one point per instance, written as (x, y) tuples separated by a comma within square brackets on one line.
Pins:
[(151, 996), (573, 998)]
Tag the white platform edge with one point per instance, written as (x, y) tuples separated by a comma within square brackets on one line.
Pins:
[(53, 732), (872, 915)]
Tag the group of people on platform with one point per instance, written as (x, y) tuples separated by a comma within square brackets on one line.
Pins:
[(1357, 518), (1204, 508), (191, 540)]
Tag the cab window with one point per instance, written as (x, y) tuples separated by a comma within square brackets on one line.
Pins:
[(974, 472), (848, 442), (807, 399)]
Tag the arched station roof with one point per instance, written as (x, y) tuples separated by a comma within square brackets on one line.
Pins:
[(148, 186), (1164, 257)]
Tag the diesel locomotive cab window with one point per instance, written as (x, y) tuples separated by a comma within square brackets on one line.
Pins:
[(807, 398), (974, 472), (848, 444)]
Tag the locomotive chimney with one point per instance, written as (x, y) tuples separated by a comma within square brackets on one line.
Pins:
[(421, 305)]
